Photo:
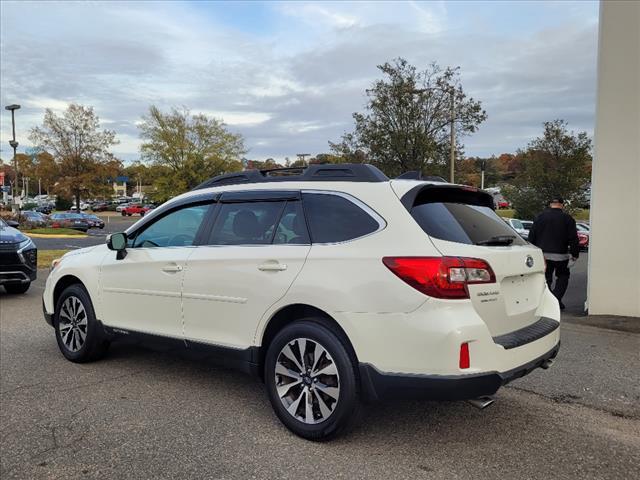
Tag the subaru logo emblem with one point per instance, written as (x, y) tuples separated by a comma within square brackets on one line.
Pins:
[(529, 261)]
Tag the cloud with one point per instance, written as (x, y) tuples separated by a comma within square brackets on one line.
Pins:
[(289, 78)]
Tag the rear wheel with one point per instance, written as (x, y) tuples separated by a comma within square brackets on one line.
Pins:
[(312, 381), (17, 287), (80, 336), (124, 214)]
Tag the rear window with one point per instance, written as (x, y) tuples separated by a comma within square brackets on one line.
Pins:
[(462, 223)]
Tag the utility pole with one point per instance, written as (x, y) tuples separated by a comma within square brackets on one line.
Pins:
[(452, 146), (483, 166), (12, 108)]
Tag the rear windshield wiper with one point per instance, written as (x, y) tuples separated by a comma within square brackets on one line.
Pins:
[(498, 240)]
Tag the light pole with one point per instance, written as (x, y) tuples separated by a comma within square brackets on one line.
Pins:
[(483, 166), (12, 108)]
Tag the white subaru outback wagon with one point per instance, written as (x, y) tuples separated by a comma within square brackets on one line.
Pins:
[(332, 284)]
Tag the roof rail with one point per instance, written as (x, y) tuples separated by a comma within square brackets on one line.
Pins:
[(344, 172), (417, 175)]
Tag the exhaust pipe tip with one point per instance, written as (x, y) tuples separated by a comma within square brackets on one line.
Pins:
[(481, 402), (547, 364)]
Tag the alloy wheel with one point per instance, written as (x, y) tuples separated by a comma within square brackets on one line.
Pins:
[(307, 380), (73, 323)]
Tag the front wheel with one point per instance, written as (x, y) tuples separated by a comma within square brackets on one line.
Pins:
[(80, 336), (17, 288), (312, 381)]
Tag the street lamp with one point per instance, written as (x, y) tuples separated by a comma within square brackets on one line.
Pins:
[(452, 121), (12, 108)]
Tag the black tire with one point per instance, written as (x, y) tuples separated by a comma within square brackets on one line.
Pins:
[(124, 214), (142, 214), (17, 288), (95, 343), (346, 411)]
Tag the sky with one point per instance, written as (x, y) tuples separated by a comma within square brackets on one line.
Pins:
[(289, 75)]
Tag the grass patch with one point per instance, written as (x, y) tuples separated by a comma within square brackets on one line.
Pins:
[(54, 231), (45, 257), (506, 212)]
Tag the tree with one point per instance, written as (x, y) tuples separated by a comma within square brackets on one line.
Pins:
[(80, 149), (192, 147), (406, 121), (557, 163)]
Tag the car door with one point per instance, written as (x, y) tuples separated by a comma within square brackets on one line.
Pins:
[(257, 246), (142, 291)]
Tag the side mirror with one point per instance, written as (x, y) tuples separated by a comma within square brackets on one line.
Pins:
[(118, 242)]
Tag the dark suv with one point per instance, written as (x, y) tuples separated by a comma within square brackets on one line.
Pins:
[(18, 259)]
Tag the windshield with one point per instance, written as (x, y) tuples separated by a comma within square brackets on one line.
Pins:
[(517, 224), (462, 223)]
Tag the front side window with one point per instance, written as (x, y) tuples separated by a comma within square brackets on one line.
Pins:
[(333, 218), (247, 223), (176, 229)]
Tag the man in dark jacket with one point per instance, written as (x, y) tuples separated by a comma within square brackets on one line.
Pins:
[(554, 232)]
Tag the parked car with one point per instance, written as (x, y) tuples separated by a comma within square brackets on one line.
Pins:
[(93, 220), (122, 206), (18, 259), (518, 227), (35, 218), (135, 209), (45, 209), (69, 220), (100, 207), (12, 223), (83, 207), (584, 234), (332, 286)]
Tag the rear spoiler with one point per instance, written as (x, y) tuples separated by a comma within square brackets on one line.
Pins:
[(430, 193)]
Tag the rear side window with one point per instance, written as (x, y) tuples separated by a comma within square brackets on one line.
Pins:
[(292, 228), (462, 223), (333, 218), (249, 223)]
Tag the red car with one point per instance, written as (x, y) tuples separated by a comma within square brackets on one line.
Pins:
[(583, 240), (135, 209)]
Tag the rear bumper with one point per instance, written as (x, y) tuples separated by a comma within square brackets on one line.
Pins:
[(377, 385)]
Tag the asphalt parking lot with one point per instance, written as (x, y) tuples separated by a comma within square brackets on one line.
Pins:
[(95, 236), (141, 413)]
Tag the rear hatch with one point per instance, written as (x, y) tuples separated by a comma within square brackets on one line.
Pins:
[(461, 222)]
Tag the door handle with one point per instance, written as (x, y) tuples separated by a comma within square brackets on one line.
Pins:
[(272, 267), (172, 268)]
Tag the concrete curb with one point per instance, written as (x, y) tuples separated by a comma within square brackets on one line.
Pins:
[(610, 322)]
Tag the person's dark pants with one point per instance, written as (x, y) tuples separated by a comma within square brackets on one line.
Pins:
[(561, 269)]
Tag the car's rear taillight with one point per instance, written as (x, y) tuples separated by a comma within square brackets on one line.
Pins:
[(441, 277)]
